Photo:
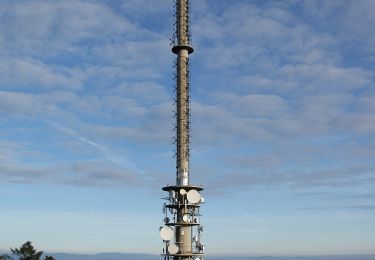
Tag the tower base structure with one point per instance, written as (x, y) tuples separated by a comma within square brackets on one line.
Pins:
[(182, 231)]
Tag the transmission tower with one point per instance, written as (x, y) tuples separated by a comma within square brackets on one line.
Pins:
[(181, 231)]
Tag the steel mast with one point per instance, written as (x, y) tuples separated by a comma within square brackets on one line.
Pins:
[(181, 232)]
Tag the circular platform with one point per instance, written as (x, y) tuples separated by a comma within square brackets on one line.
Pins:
[(177, 188), (176, 48), (184, 255), (182, 224), (179, 206)]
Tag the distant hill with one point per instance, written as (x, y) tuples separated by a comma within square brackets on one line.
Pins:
[(119, 256), (105, 256)]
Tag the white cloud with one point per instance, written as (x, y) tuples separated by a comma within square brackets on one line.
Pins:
[(30, 73), (255, 105), (50, 28), (269, 90), (351, 22), (20, 104), (148, 7)]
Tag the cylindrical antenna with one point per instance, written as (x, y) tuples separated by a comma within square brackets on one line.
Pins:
[(182, 48)]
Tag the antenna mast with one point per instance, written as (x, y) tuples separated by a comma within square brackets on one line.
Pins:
[(182, 230)]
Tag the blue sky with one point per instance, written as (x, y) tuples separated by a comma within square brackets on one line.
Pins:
[(283, 124)]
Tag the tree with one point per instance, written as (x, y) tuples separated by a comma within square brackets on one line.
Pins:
[(26, 252)]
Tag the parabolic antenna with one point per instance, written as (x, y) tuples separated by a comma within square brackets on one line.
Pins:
[(185, 218), (193, 196), (166, 233), (173, 249), (182, 191)]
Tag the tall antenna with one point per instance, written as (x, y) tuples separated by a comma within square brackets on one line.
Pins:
[(181, 231)]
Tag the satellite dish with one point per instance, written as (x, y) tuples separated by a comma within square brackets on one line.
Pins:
[(182, 191), (185, 218), (197, 258), (166, 233), (202, 200), (173, 249), (193, 196), (166, 220), (200, 228)]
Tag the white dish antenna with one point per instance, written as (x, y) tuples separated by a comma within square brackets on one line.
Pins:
[(166, 233), (185, 218), (182, 192), (173, 249), (193, 196)]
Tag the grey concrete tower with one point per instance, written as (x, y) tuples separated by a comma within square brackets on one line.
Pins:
[(182, 48), (181, 231)]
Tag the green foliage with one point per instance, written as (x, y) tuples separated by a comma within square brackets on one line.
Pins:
[(26, 252)]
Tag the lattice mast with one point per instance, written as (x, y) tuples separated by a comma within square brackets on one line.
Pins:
[(182, 48), (182, 231)]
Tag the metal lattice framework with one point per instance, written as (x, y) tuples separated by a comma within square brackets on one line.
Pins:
[(182, 112)]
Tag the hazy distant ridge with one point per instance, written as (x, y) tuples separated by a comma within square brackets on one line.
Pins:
[(118, 256)]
